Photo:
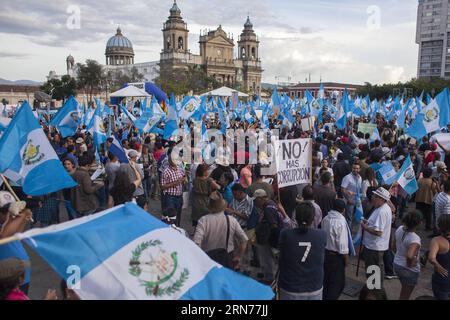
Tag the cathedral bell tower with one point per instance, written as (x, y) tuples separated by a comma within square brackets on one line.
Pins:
[(248, 46), (175, 32)]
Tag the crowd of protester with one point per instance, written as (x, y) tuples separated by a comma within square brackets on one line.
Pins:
[(297, 238)]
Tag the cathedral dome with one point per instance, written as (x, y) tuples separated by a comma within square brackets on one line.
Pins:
[(119, 50), (119, 41)]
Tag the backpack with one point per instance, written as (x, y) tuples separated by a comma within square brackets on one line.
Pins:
[(221, 255), (265, 233)]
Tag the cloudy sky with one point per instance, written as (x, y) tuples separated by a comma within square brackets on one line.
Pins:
[(346, 40)]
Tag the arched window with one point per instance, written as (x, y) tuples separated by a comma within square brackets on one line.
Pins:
[(168, 42), (180, 43), (243, 52), (253, 53)]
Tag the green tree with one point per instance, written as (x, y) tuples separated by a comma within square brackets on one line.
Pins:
[(91, 77), (181, 81), (117, 78), (382, 91), (60, 89)]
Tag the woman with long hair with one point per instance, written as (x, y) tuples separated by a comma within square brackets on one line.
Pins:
[(407, 246), (302, 254), (123, 188), (369, 180)]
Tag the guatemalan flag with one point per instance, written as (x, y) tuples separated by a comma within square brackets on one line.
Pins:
[(432, 118), (127, 113), (388, 173), (67, 119), (26, 153), (150, 261), (97, 128), (189, 108), (406, 177), (117, 150)]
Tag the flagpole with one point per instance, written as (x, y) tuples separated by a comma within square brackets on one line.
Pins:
[(9, 240)]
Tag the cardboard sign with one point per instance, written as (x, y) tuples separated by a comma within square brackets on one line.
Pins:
[(367, 128), (308, 124), (294, 162)]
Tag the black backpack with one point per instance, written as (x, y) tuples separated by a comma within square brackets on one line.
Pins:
[(221, 255), (266, 234)]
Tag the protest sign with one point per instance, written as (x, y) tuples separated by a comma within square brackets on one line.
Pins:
[(366, 128), (294, 162), (308, 124)]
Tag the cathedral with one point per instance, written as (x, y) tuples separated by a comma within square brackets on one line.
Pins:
[(216, 56)]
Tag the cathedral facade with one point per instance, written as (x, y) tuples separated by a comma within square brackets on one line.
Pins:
[(216, 58), (216, 53)]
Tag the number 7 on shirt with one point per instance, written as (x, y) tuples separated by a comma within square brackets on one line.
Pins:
[(308, 247)]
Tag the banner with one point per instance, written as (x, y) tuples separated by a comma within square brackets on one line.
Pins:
[(366, 128), (294, 162)]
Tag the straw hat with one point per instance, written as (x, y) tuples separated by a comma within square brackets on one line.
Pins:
[(382, 193)]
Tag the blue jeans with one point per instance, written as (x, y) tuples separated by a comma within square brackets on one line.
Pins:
[(175, 202)]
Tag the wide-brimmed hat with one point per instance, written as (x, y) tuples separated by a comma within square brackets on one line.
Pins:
[(222, 161), (216, 202), (79, 141), (12, 268), (382, 193)]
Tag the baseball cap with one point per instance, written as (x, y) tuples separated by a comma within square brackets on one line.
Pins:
[(5, 198), (260, 193)]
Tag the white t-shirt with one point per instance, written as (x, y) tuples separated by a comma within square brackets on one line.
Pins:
[(403, 240), (380, 220)]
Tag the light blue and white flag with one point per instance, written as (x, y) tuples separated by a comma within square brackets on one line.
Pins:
[(406, 177), (388, 173), (127, 113), (375, 135), (313, 104), (117, 150), (189, 108), (171, 125), (97, 128), (26, 152), (67, 119), (150, 261), (359, 215)]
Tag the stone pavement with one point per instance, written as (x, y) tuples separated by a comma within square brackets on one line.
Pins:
[(43, 277)]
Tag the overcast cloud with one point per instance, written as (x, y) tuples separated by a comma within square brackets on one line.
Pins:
[(298, 38)]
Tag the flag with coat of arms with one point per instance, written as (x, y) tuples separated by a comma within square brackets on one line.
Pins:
[(26, 154), (150, 261)]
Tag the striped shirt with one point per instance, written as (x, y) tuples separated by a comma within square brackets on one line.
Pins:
[(171, 175), (441, 204)]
